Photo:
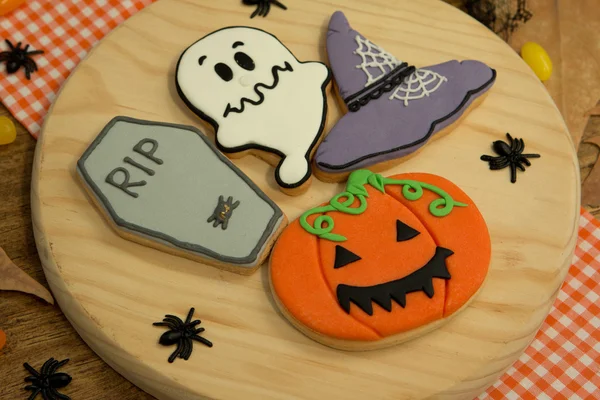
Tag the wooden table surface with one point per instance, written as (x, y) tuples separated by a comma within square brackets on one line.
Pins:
[(35, 330)]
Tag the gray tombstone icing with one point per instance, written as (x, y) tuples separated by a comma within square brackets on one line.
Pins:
[(169, 184)]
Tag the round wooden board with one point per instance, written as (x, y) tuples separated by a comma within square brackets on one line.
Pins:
[(112, 290)]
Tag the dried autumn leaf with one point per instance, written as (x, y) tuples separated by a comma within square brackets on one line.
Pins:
[(2, 339), (590, 192), (14, 278), (594, 111)]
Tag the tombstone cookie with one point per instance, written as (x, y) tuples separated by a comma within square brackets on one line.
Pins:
[(387, 260), (168, 187), (393, 108), (259, 99)]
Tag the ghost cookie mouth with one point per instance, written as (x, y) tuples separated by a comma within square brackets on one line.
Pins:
[(261, 97)]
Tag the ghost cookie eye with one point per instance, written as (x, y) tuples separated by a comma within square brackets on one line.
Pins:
[(201, 60), (244, 61), (224, 72)]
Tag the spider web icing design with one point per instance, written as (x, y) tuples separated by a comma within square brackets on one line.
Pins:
[(377, 63), (374, 58), (418, 85)]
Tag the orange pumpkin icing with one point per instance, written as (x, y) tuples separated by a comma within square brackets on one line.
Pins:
[(463, 229), (305, 280)]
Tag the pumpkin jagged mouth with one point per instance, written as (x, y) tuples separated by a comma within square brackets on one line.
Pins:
[(383, 293)]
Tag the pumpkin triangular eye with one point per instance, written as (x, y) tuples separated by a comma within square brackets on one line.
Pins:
[(404, 232), (344, 257)]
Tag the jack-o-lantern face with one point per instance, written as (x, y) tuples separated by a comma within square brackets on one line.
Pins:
[(381, 259)]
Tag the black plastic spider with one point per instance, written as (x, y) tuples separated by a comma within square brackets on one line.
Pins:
[(182, 334), (509, 155), (263, 6), (47, 381), (18, 57)]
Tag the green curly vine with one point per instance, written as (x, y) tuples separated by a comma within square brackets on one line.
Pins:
[(355, 189)]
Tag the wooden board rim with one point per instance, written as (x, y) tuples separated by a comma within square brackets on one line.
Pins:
[(144, 374)]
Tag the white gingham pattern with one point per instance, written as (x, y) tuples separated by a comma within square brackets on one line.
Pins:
[(66, 30), (563, 361)]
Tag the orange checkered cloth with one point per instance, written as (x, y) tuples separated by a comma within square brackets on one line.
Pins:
[(66, 30), (563, 360)]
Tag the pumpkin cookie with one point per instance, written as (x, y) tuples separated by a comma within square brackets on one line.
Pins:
[(385, 261)]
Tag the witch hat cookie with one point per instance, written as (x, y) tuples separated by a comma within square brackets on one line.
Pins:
[(393, 108)]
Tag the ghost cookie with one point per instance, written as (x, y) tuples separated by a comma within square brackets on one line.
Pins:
[(166, 186), (259, 99), (387, 260), (393, 108)]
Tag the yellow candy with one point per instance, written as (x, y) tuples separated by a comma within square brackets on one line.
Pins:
[(8, 132), (538, 60)]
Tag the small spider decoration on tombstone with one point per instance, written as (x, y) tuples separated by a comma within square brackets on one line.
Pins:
[(223, 212), (48, 381), (18, 57), (263, 6), (509, 155), (182, 334)]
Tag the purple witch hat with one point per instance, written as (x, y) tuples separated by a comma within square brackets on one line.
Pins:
[(393, 108)]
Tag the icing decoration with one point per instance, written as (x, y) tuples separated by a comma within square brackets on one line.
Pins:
[(261, 97), (48, 381), (376, 90), (17, 57), (183, 334), (396, 286), (404, 232), (383, 293), (225, 73), (344, 257), (422, 83), (355, 190), (510, 155), (149, 154), (129, 161), (257, 96), (263, 6), (125, 184), (223, 212), (375, 58), (169, 207), (390, 115), (244, 61)]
